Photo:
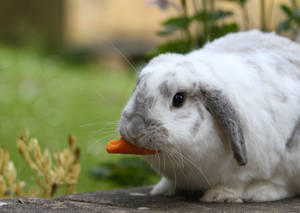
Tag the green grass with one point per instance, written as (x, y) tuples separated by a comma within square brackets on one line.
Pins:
[(54, 98)]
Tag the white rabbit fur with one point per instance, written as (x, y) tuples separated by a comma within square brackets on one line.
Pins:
[(259, 73)]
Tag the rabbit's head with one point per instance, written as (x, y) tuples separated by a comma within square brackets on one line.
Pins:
[(174, 106)]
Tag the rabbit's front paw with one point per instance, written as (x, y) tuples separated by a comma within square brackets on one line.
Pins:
[(261, 191), (223, 194), (163, 187)]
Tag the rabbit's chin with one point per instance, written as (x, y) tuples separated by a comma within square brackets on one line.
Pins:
[(195, 165), (187, 174)]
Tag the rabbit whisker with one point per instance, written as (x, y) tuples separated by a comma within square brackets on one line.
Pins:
[(201, 173), (99, 123)]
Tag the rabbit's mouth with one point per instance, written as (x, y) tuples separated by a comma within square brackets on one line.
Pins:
[(150, 133)]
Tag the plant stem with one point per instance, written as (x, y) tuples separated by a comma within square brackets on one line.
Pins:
[(294, 3), (271, 13), (204, 9), (246, 17), (212, 13), (183, 5), (262, 15), (185, 15), (198, 26), (212, 6)]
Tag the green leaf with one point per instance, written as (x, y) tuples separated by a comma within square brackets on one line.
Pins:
[(292, 22), (167, 31), (222, 14), (173, 24), (181, 21), (207, 16), (219, 31), (176, 46), (241, 2), (203, 16), (287, 10)]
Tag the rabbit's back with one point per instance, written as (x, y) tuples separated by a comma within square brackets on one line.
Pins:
[(251, 41), (286, 53), (260, 73)]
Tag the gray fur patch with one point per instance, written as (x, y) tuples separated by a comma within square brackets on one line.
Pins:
[(183, 115), (164, 89), (151, 134), (256, 67), (172, 74), (294, 139), (221, 108), (200, 111), (272, 114), (141, 78), (294, 73), (156, 130), (281, 97), (295, 62), (195, 127), (142, 104), (137, 127), (194, 86)]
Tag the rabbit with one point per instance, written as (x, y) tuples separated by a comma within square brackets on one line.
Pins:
[(225, 118)]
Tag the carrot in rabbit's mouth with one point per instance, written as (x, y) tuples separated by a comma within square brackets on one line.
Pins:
[(121, 146)]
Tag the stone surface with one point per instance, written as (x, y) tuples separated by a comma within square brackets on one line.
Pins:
[(137, 200)]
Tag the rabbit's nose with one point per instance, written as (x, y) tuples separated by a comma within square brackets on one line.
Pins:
[(136, 127)]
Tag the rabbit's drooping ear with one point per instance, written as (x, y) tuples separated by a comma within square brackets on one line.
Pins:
[(221, 108)]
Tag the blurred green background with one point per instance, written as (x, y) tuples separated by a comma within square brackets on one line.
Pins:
[(53, 98), (69, 67)]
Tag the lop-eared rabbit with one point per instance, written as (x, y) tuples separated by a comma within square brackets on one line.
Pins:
[(226, 118)]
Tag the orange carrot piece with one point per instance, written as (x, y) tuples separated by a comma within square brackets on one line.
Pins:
[(123, 147)]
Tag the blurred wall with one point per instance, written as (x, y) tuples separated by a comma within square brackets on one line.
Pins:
[(93, 21), (96, 21), (32, 20), (114, 29), (273, 13), (131, 24)]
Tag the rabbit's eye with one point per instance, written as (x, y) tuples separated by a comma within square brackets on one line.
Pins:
[(178, 99)]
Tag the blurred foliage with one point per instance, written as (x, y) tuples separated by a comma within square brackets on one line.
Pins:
[(49, 175), (54, 97), (292, 21), (9, 184), (51, 170), (128, 171), (205, 22)]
